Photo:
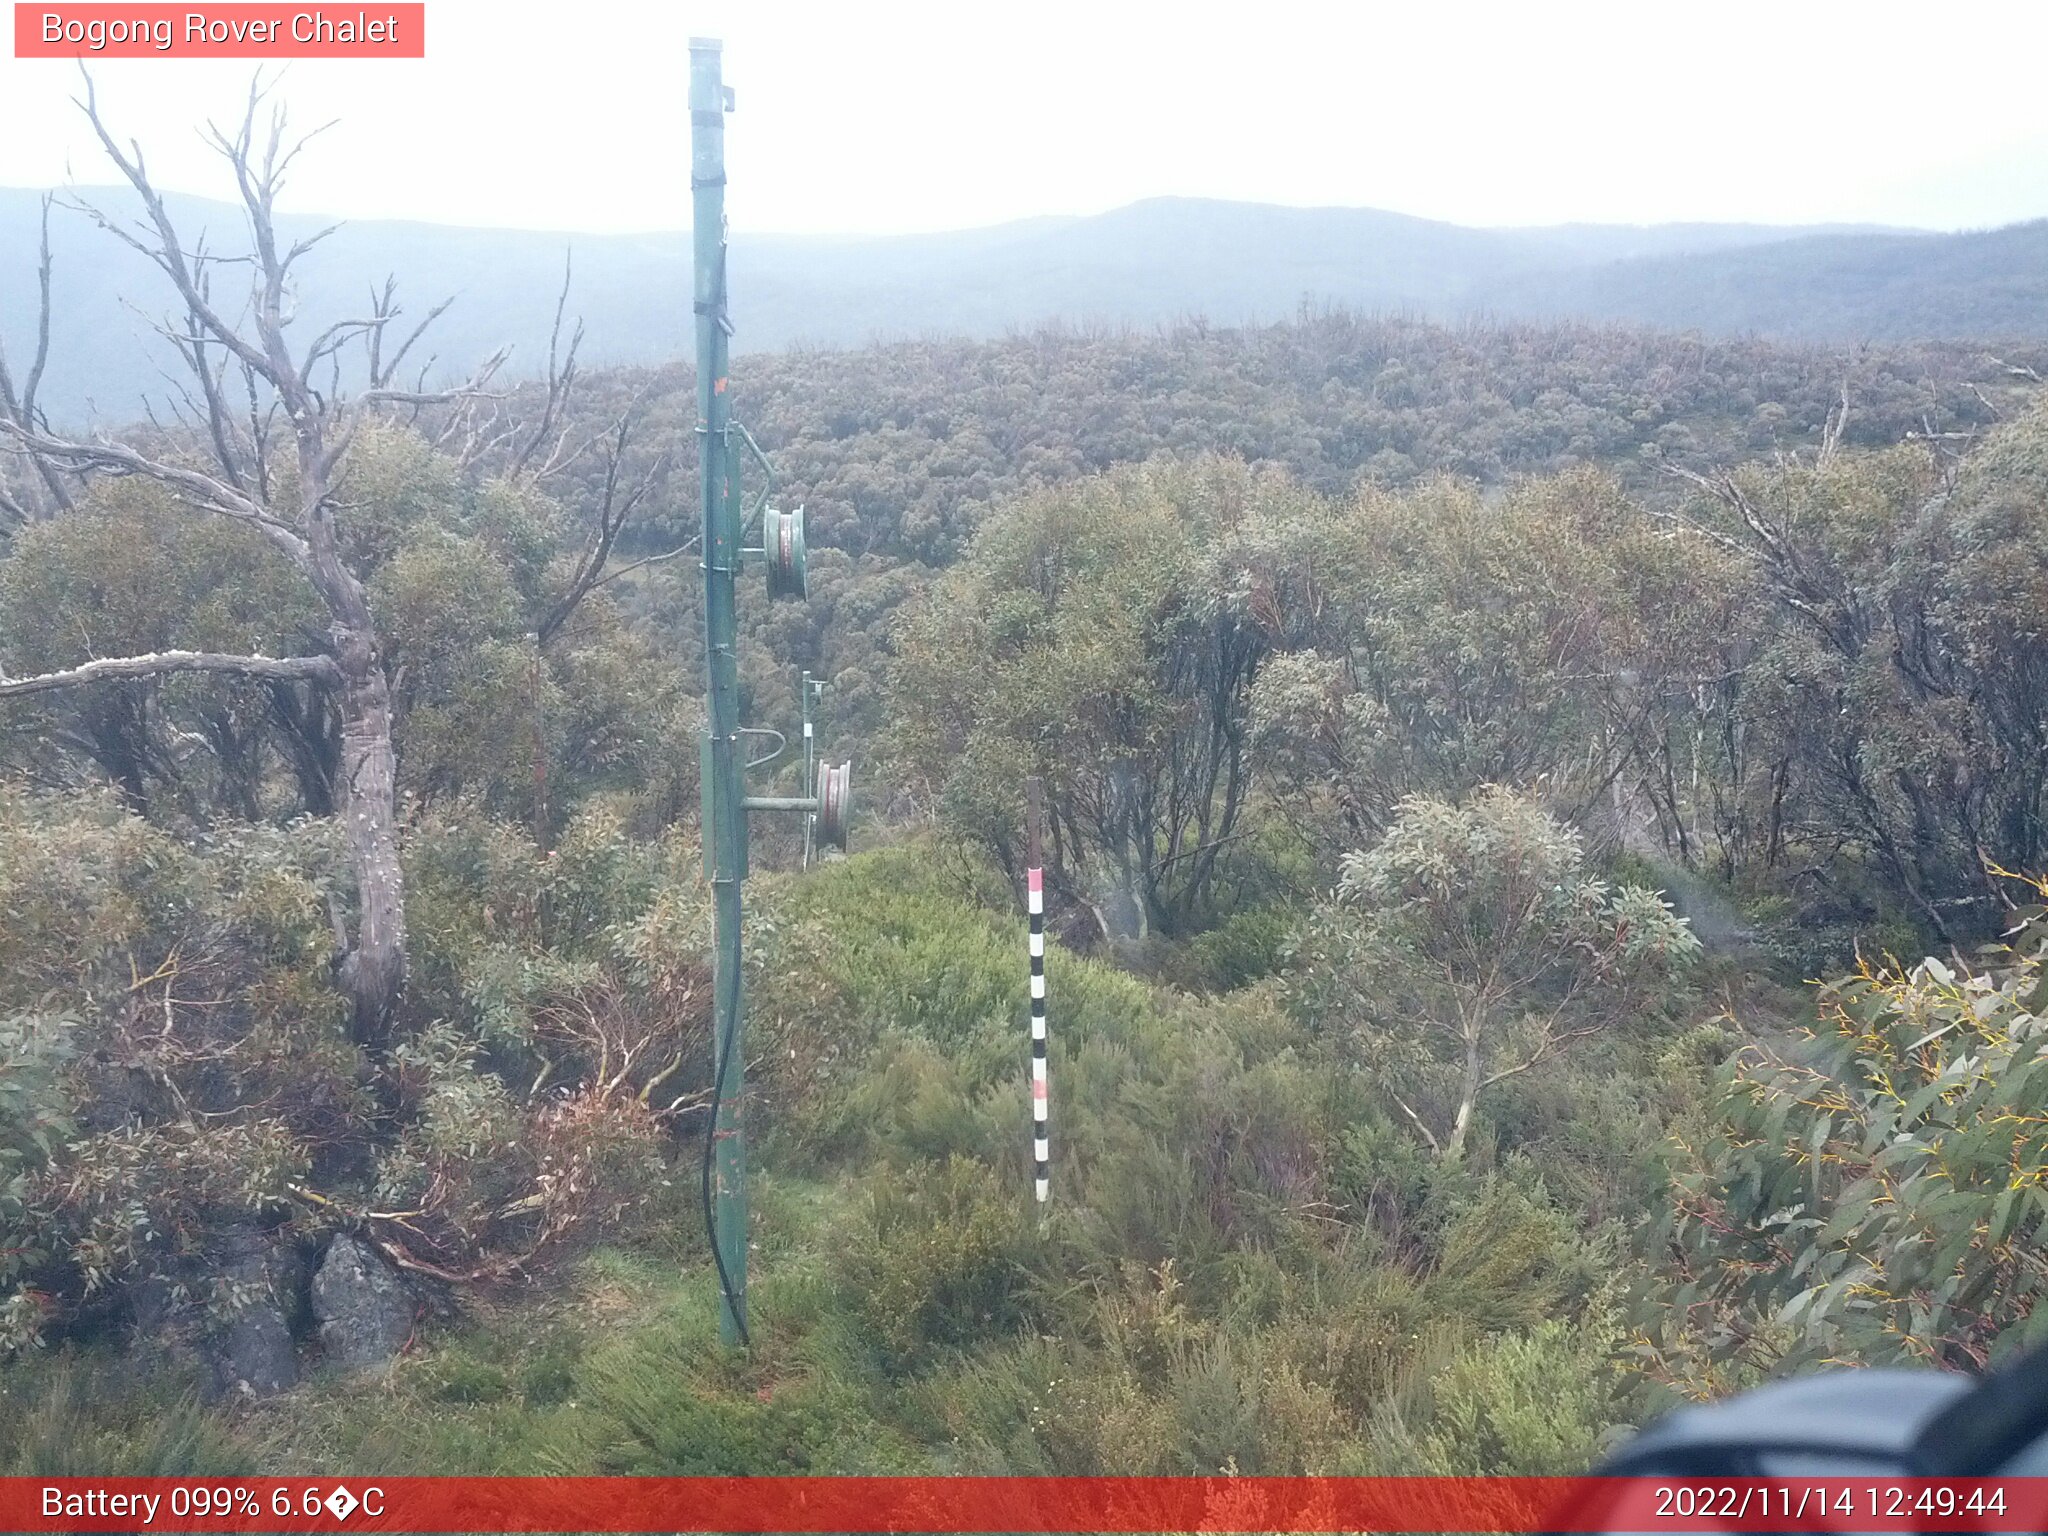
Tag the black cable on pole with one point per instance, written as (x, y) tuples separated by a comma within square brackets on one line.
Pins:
[(732, 1300)]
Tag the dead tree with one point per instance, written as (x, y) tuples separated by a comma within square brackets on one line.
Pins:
[(43, 490), (268, 430)]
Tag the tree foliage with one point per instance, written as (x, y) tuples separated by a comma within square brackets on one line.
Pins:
[(1470, 945), (1102, 637), (1440, 639), (1887, 687), (1870, 1189)]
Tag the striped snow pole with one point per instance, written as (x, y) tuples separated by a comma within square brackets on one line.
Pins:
[(1034, 882)]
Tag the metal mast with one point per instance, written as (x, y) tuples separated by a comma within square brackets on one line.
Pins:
[(827, 806), (726, 801), (724, 821)]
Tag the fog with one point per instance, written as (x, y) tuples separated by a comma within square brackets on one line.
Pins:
[(898, 117)]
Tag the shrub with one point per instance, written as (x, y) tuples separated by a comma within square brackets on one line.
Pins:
[(1545, 1403), (1469, 946), (33, 1125), (210, 1085), (936, 1259), (1246, 946), (1870, 1189)]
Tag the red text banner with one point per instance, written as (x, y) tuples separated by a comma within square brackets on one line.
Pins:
[(993, 1504), (228, 31)]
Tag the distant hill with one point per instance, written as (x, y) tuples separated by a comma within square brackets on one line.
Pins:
[(1827, 287), (1161, 260)]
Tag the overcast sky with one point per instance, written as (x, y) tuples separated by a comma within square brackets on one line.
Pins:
[(884, 116)]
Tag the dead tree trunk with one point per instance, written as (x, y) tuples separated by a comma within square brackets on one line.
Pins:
[(320, 422), (374, 968)]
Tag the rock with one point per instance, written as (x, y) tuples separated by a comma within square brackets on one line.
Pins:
[(255, 1293), (156, 1309), (166, 1326), (365, 1310)]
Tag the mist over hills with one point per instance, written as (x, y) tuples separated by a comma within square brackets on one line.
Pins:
[(1161, 260), (1832, 286)]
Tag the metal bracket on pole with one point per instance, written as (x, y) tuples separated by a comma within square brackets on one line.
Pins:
[(767, 477)]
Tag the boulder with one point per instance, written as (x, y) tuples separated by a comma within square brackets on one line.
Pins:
[(365, 1310), (248, 1342)]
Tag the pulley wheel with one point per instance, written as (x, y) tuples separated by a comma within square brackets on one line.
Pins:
[(835, 803), (782, 538)]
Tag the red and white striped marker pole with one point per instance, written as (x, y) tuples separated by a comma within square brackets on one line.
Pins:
[(1034, 884)]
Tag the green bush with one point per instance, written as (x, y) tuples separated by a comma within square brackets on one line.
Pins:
[(1545, 1403), (1868, 1189), (909, 1103), (903, 952), (34, 1123), (210, 1083), (1247, 946), (935, 1259)]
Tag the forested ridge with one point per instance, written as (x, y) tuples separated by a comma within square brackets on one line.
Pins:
[(1154, 262), (901, 449), (1461, 746)]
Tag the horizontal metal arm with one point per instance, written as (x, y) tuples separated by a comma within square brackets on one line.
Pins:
[(780, 802)]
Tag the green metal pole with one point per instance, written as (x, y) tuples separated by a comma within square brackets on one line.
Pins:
[(724, 820)]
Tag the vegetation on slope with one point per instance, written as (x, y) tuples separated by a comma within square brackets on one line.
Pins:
[(1325, 734), (1248, 1265)]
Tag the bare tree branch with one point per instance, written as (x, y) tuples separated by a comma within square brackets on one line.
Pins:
[(240, 484), (319, 669), (613, 512), (202, 490), (21, 407), (1832, 429), (561, 384), (667, 554), (169, 253)]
